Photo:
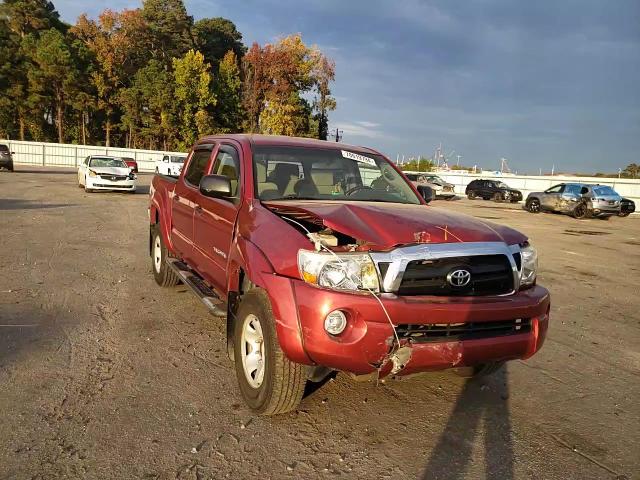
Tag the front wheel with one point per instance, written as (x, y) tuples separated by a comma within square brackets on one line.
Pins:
[(580, 211), (497, 197), (269, 382), (533, 205), (624, 214)]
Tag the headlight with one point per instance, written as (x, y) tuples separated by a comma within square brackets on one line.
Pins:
[(529, 270), (132, 176), (340, 271), (92, 173)]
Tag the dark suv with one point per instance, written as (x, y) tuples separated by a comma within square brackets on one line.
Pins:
[(494, 190), (6, 160)]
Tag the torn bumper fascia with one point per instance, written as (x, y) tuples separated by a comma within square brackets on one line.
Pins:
[(368, 344)]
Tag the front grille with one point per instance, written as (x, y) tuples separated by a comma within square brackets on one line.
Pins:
[(490, 275), (114, 178), (447, 332), (108, 185)]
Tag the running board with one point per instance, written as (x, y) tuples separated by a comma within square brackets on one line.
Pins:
[(201, 289)]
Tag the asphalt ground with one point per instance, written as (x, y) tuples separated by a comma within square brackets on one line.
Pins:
[(105, 375)]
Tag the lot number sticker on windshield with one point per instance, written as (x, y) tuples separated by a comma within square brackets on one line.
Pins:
[(358, 158)]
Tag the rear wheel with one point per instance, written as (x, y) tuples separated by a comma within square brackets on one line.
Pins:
[(471, 194), (533, 205), (624, 214), (164, 276), (269, 382)]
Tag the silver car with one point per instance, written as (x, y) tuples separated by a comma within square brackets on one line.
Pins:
[(441, 189), (580, 200)]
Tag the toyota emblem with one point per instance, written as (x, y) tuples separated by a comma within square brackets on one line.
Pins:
[(459, 278)]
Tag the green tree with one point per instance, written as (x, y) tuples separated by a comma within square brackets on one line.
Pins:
[(55, 75), (28, 16), (169, 32), (322, 73), (214, 37), (228, 90), (194, 96)]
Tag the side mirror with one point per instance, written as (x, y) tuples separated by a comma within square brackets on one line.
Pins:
[(215, 186), (426, 192)]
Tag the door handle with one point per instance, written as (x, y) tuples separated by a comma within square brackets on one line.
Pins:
[(176, 198), (198, 210)]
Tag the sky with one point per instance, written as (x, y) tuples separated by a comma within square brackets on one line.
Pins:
[(545, 83)]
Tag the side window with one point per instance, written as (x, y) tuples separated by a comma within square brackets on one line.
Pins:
[(195, 170), (165, 159), (572, 189), (227, 163), (86, 160), (556, 189)]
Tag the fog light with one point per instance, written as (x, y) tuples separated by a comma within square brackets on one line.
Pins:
[(335, 322)]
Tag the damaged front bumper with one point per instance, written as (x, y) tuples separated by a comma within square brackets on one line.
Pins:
[(434, 333)]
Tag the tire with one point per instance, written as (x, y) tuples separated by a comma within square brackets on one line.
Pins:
[(164, 276), (478, 371), (581, 211), (624, 214), (533, 205), (605, 218), (497, 197), (471, 195), (279, 387)]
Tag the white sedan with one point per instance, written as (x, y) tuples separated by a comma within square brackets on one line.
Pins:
[(99, 172)]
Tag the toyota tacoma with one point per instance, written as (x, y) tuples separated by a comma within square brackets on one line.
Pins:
[(323, 257)]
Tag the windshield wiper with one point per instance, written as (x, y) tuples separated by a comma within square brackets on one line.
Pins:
[(293, 197)]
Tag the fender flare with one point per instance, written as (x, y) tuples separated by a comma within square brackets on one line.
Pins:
[(247, 257), (158, 214)]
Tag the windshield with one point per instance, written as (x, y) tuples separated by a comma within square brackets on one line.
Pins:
[(502, 185), (283, 172), (99, 162), (177, 159), (604, 190), (435, 179)]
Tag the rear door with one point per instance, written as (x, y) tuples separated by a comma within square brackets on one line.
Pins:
[(185, 200), (215, 219)]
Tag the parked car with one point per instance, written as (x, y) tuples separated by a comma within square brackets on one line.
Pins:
[(170, 165), (441, 189), (6, 157), (492, 189), (100, 172), (335, 263), (131, 163), (579, 200), (627, 207)]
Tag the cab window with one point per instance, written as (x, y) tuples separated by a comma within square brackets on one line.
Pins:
[(227, 163)]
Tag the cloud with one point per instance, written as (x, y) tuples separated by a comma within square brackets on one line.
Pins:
[(540, 82)]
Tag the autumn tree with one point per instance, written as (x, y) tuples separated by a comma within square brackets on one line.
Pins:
[(194, 96), (115, 40), (322, 74)]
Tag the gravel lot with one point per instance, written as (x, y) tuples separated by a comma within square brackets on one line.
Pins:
[(105, 375)]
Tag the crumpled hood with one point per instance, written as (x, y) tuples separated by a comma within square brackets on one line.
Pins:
[(111, 170), (387, 225)]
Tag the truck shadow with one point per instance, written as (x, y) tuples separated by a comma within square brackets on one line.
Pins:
[(481, 409), (18, 204)]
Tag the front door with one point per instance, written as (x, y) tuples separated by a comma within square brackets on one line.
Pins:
[(552, 197), (215, 220), (184, 201)]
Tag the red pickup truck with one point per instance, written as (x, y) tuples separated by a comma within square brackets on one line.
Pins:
[(322, 257)]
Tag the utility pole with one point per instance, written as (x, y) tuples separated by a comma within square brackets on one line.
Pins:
[(458, 162), (339, 134)]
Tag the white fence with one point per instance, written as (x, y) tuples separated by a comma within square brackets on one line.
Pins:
[(68, 155), (629, 188)]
